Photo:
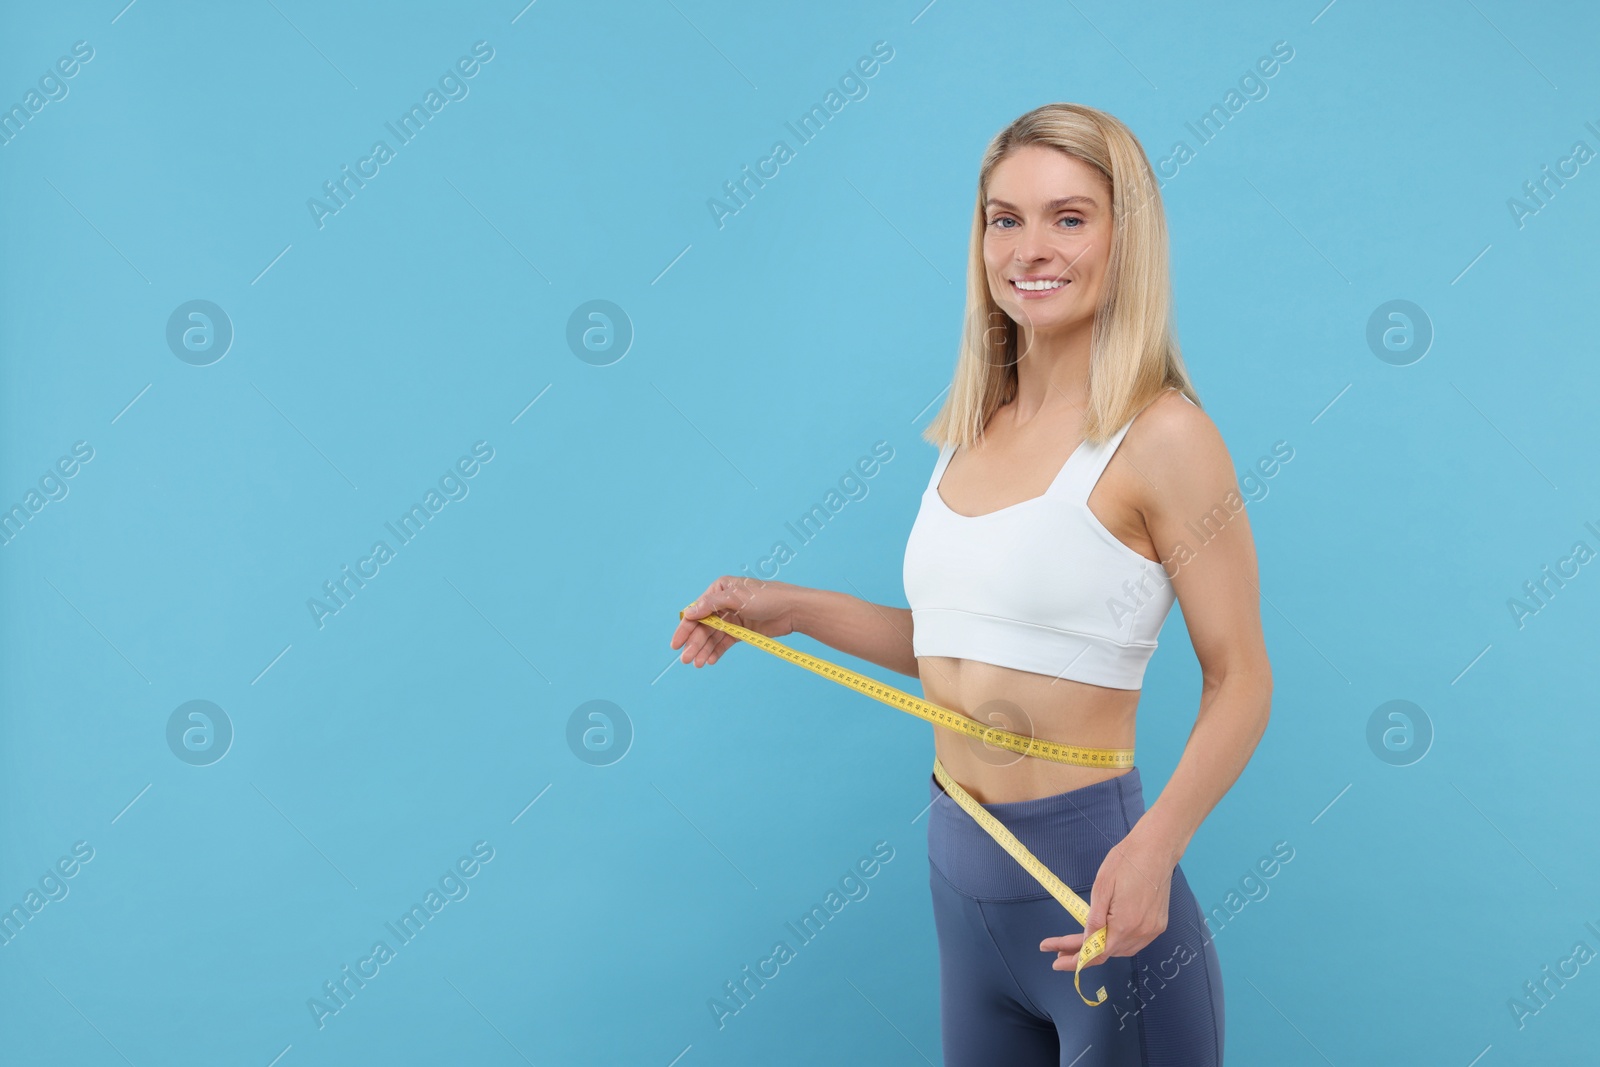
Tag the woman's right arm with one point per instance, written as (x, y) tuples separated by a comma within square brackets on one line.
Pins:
[(873, 632)]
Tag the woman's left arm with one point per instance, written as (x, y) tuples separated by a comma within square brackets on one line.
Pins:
[(1189, 486)]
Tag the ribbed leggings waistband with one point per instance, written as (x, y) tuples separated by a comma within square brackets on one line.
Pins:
[(1070, 833)]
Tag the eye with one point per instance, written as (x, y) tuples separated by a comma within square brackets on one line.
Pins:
[(1075, 219), (1000, 219)]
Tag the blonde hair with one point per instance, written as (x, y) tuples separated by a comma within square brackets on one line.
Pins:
[(1134, 349)]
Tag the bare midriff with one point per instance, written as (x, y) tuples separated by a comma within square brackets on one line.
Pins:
[(1035, 705)]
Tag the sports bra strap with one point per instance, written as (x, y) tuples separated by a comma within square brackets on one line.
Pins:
[(945, 452), (1077, 479), (1083, 470)]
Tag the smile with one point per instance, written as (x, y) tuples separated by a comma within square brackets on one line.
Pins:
[(1042, 287)]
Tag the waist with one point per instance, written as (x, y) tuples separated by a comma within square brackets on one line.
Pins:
[(1030, 705), (1070, 832)]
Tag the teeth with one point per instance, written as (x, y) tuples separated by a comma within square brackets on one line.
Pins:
[(1037, 286)]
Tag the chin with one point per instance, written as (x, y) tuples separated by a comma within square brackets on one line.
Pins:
[(1051, 320)]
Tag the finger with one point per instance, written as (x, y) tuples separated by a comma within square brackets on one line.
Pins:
[(1061, 943), (702, 645), (1099, 911), (713, 649), (713, 644), (684, 631), (1099, 908), (692, 645), (1118, 943), (703, 653), (1105, 951), (691, 634), (722, 643), (1066, 961), (713, 601)]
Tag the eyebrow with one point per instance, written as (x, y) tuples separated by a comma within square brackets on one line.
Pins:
[(1058, 202)]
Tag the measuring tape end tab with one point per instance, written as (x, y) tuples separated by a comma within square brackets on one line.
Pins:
[(1099, 997)]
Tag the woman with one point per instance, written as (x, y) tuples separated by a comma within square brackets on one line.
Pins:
[(1057, 529)]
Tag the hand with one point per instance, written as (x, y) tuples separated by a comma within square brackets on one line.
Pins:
[(1129, 898), (765, 607)]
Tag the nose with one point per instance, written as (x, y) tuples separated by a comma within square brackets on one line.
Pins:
[(1031, 248)]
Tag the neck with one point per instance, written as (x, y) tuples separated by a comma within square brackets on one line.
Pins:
[(1052, 370)]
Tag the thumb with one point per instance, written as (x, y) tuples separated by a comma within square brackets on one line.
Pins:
[(707, 603), (708, 612), (1099, 908), (722, 593)]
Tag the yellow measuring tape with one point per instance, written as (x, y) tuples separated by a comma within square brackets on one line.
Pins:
[(954, 720)]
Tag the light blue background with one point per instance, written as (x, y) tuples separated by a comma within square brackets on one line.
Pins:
[(768, 356)]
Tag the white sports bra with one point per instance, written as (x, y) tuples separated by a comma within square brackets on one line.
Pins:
[(1039, 586)]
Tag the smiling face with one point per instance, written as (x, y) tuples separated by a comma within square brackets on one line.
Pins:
[(1047, 237)]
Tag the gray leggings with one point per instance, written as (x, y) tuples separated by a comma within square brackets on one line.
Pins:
[(1000, 1002)]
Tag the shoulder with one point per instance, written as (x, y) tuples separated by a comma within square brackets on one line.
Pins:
[(1171, 421), (1178, 448)]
